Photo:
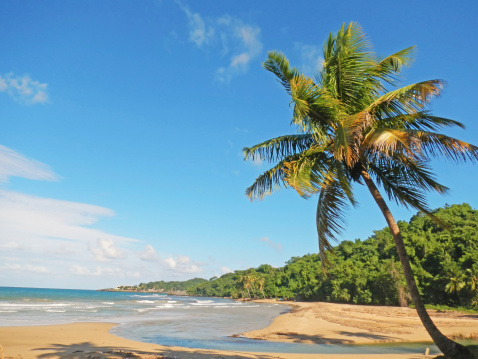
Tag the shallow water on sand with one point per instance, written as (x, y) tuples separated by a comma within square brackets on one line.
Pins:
[(163, 319)]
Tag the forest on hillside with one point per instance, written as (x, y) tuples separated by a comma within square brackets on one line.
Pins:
[(444, 262)]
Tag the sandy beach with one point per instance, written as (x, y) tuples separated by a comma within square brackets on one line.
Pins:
[(306, 323)]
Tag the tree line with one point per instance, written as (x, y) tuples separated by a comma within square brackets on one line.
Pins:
[(444, 263), (163, 286)]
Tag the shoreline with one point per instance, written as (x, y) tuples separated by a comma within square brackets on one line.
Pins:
[(306, 322)]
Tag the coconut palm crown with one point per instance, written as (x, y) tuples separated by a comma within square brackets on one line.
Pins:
[(354, 126)]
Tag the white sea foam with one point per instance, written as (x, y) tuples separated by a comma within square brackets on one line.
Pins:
[(141, 310), (146, 301)]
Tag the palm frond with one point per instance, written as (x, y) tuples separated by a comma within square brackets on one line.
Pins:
[(342, 149), (313, 107), (279, 148), (434, 144), (389, 141), (268, 182), (421, 120), (408, 99), (346, 56), (388, 68), (278, 64), (330, 216), (307, 173), (303, 93), (406, 186)]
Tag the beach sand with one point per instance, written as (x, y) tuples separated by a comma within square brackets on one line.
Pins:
[(306, 323), (332, 323)]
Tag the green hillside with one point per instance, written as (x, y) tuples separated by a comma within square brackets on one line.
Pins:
[(445, 265)]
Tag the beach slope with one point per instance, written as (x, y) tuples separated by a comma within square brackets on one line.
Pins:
[(332, 323)]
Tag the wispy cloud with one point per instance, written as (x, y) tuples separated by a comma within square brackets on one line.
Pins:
[(240, 42), (103, 271), (29, 218), (199, 32), (23, 89), (23, 268), (14, 164), (246, 46), (273, 245), (310, 58)]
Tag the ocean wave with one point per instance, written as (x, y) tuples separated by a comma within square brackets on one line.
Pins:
[(203, 302), (36, 305), (146, 301), (164, 296)]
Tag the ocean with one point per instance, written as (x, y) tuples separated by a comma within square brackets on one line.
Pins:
[(193, 322)]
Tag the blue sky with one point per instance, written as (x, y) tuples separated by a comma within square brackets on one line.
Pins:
[(123, 124)]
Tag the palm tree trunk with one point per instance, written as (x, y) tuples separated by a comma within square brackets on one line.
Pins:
[(448, 347)]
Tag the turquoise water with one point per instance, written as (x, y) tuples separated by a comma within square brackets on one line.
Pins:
[(169, 320)]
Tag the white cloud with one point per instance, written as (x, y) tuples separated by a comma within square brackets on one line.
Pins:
[(274, 245), (106, 250), (182, 264), (225, 270), (14, 164), (23, 89), (310, 58), (148, 254), (44, 235)]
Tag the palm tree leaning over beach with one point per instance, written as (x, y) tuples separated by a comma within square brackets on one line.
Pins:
[(352, 130)]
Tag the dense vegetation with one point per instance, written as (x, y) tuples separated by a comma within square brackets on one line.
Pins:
[(162, 286), (444, 262)]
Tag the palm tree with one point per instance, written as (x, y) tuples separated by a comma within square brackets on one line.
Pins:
[(353, 130), (454, 285), (246, 284), (260, 282)]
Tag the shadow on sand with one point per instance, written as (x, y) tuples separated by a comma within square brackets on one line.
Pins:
[(87, 350)]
